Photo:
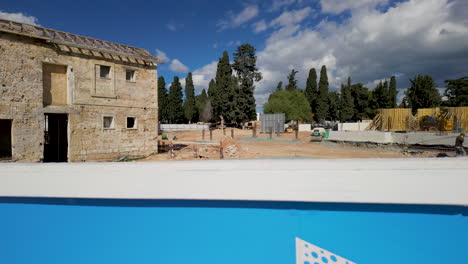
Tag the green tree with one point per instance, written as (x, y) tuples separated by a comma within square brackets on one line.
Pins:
[(346, 106), (322, 98), (279, 87), (371, 110), (292, 82), (174, 104), (392, 93), (224, 97), (293, 103), (333, 105), (311, 91), (245, 66), (162, 100), (381, 95), (200, 101), (422, 93), (360, 95), (457, 92), (190, 109)]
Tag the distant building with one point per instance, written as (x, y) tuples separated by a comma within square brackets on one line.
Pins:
[(65, 97)]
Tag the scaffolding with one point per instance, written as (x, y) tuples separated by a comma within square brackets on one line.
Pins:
[(101, 47)]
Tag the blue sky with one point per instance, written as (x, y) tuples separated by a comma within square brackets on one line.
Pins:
[(369, 40)]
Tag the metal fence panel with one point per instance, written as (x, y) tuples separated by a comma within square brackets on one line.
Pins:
[(272, 122)]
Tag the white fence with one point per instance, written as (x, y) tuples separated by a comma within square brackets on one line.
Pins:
[(356, 126), (183, 127)]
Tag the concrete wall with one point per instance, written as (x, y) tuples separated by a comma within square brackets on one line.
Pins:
[(355, 126), (305, 127), (397, 138), (21, 99), (183, 127)]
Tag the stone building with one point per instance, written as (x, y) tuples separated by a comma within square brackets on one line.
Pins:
[(65, 97)]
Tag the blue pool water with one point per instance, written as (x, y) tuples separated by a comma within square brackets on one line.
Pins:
[(181, 232)]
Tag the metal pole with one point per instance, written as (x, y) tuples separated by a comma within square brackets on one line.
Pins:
[(254, 131), (232, 133), (271, 132)]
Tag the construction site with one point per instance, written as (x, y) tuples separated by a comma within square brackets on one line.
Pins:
[(393, 133)]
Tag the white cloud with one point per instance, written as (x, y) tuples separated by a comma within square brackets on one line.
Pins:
[(202, 76), (338, 6), (177, 66), (233, 21), (413, 37), (291, 17), (259, 26), (19, 17), (162, 55)]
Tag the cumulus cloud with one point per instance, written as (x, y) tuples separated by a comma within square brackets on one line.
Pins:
[(19, 17), (202, 76), (233, 21), (177, 66), (409, 38), (162, 55), (414, 37)]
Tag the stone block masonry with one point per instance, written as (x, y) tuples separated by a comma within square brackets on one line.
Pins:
[(79, 92)]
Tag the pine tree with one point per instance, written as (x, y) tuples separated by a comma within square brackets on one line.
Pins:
[(311, 91), (174, 106), (162, 100), (322, 98), (360, 95), (279, 87), (224, 97), (422, 93), (292, 82), (346, 106), (190, 110), (392, 93), (245, 66), (333, 105)]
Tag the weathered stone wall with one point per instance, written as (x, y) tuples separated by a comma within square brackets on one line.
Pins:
[(21, 99)]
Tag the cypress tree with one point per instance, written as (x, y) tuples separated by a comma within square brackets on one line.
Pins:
[(360, 95), (346, 104), (381, 95), (189, 105), (224, 99), (292, 82), (245, 65), (279, 87), (200, 101), (174, 106), (392, 93), (311, 89), (322, 98), (333, 106), (162, 100)]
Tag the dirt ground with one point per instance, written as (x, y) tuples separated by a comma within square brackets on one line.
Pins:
[(189, 145)]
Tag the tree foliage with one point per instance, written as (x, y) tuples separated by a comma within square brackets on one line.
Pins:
[(174, 107), (293, 103), (422, 93), (292, 82), (346, 106), (245, 66), (200, 101), (190, 109), (333, 105), (223, 99), (322, 98), (360, 95), (311, 91), (392, 93), (457, 92), (279, 87), (162, 100)]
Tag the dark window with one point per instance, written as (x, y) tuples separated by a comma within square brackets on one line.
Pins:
[(108, 122), (5, 138), (104, 71), (130, 75), (131, 122)]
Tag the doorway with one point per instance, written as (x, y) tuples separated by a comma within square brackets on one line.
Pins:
[(5, 139), (56, 138)]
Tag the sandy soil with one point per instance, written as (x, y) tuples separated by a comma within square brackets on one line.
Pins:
[(190, 145)]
